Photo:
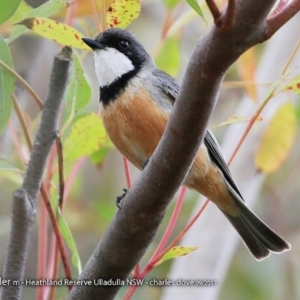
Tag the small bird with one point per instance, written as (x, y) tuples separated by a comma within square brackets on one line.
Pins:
[(136, 101)]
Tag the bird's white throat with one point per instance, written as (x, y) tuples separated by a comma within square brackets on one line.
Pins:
[(110, 64)]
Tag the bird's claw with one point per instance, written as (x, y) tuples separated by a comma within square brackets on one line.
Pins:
[(120, 198)]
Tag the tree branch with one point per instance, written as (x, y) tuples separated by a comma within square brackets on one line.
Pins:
[(278, 19), (214, 10), (134, 226), (24, 202), (229, 15)]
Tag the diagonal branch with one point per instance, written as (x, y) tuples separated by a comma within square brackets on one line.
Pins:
[(278, 19), (134, 226), (24, 202)]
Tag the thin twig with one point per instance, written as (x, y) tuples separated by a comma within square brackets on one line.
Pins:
[(60, 172), (229, 15), (214, 10), (22, 121), (95, 15), (24, 83)]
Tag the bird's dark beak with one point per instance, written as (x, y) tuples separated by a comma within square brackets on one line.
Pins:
[(93, 44)]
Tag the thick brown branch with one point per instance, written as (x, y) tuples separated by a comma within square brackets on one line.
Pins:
[(277, 20), (134, 226)]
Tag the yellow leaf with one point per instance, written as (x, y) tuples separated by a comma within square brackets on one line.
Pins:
[(176, 252), (277, 140), (122, 12), (294, 86), (56, 31), (87, 136), (246, 67), (234, 119)]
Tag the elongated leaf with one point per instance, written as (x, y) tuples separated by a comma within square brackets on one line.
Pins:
[(195, 6), (176, 252), (294, 86), (67, 234), (122, 12), (22, 10), (7, 166), (298, 111), (6, 85), (45, 10), (56, 31), (7, 9), (168, 59), (78, 93), (277, 139), (235, 119), (10, 172), (87, 136)]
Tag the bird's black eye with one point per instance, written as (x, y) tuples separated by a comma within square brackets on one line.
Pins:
[(124, 44)]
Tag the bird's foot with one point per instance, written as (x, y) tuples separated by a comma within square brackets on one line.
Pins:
[(120, 198)]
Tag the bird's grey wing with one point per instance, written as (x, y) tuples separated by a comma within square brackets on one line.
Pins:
[(167, 84), (216, 155), (170, 87)]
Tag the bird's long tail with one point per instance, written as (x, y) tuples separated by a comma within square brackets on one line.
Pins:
[(258, 237)]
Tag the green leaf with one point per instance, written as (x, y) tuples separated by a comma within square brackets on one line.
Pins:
[(195, 6), (171, 3), (98, 156), (45, 10), (7, 166), (22, 10), (78, 93), (86, 136), (7, 9), (176, 252), (168, 58), (6, 85), (67, 234), (10, 172), (122, 12), (298, 111)]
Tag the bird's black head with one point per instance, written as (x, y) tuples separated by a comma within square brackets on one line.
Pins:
[(119, 57), (126, 43), (116, 53)]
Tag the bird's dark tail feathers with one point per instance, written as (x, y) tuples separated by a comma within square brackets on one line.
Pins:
[(258, 237)]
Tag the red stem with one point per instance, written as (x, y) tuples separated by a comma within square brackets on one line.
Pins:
[(127, 172), (42, 248), (170, 226), (148, 268), (71, 12), (95, 14)]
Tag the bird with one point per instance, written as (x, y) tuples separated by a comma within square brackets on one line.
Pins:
[(136, 100)]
